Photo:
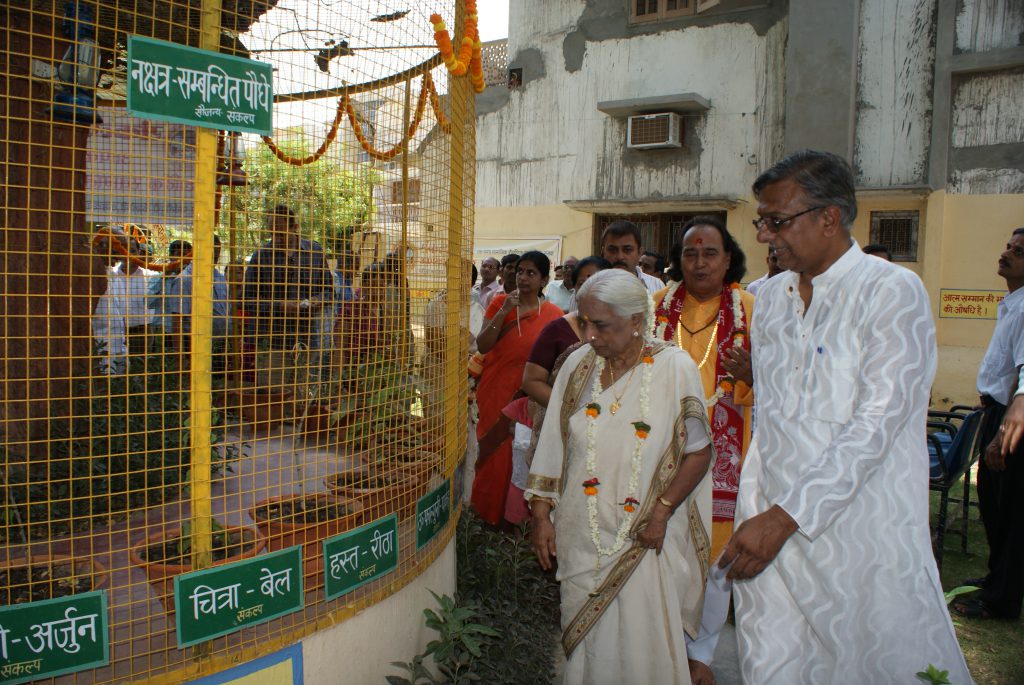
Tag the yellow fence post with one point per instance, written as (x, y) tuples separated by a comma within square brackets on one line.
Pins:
[(202, 315)]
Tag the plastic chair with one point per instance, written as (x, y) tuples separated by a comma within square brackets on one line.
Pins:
[(953, 448)]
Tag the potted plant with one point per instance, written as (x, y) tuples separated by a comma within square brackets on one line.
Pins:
[(306, 520), (169, 553), (381, 491), (45, 576)]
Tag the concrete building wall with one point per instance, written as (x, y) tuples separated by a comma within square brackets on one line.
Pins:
[(894, 84), (923, 97)]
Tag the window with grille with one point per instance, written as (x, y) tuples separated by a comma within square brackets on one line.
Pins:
[(652, 10), (897, 231), (414, 191)]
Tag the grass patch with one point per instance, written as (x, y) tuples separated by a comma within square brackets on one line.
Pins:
[(992, 647)]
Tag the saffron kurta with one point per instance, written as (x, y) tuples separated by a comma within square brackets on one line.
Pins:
[(639, 637), (854, 595), (695, 316)]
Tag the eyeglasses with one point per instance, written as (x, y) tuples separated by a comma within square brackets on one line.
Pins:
[(775, 224)]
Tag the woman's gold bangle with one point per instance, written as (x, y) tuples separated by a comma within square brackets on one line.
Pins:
[(668, 504), (550, 501)]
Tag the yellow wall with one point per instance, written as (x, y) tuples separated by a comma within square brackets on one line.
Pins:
[(960, 238)]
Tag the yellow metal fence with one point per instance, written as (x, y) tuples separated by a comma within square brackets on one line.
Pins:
[(222, 345)]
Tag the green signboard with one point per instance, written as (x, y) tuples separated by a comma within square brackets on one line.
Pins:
[(358, 556), (432, 512), (220, 600), (187, 85), (53, 636)]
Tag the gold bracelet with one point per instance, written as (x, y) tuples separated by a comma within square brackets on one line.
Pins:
[(537, 498), (668, 504)]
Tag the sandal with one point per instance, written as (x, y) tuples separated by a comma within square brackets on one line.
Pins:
[(972, 608)]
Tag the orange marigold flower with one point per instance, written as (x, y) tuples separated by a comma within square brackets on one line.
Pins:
[(727, 386), (593, 410), (648, 359)]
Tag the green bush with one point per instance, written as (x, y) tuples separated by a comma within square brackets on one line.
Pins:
[(499, 573), (125, 446)]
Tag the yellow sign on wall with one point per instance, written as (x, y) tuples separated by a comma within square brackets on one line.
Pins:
[(969, 304)]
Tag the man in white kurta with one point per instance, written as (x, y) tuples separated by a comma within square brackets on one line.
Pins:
[(836, 582)]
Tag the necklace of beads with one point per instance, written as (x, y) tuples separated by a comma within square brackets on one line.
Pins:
[(592, 485)]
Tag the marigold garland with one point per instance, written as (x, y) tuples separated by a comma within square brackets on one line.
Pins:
[(469, 58), (345, 108)]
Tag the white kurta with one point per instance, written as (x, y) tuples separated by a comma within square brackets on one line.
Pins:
[(854, 595), (640, 636)]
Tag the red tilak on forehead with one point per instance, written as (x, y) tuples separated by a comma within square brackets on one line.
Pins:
[(700, 241)]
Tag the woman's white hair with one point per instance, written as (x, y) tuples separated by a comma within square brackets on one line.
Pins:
[(623, 292)]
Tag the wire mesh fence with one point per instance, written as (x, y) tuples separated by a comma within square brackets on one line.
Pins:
[(226, 345)]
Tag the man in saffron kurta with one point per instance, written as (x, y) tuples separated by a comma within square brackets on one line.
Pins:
[(707, 315), (835, 581)]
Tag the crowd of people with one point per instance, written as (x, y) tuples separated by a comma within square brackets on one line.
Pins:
[(683, 443), (678, 442)]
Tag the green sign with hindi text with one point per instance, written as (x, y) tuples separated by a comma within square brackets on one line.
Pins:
[(358, 556), (432, 513), (186, 85), (53, 636), (220, 600)]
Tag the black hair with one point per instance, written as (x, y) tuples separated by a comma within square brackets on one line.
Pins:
[(538, 259), (286, 211), (1018, 231), (619, 228), (877, 248), (510, 258), (737, 259), (601, 262), (659, 261), (825, 177), (179, 248), (476, 274)]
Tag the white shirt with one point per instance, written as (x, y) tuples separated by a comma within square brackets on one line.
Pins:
[(755, 285), (124, 305), (842, 392), (1005, 353), (558, 295), (653, 284), (483, 293)]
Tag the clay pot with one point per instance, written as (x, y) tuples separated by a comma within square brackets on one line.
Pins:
[(381, 490), (284, 534), (83, 567), (161, 575)]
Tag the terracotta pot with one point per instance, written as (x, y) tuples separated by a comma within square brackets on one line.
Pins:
[(282, 534), (161, 575), (83, 566), (260, 409), (397, 494)]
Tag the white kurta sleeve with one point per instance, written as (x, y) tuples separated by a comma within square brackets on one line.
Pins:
[(897, 356)]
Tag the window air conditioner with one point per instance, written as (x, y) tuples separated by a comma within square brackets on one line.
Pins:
[(652, 131)]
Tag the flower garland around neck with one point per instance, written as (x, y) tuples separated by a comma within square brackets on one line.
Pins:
[(592, 486), (728, 384)]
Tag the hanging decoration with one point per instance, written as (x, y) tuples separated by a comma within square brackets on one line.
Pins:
[(469, 57), (345, 108)]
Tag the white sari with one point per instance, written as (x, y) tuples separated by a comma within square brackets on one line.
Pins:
[(624, 615)]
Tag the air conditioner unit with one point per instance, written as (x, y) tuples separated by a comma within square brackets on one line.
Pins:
[(652, 131)]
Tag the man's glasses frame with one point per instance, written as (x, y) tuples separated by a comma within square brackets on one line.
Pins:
[(775, 224)]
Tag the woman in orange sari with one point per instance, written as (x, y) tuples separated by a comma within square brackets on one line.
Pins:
[(512, 323)]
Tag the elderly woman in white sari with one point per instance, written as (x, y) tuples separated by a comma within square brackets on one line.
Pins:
[(619, 490)]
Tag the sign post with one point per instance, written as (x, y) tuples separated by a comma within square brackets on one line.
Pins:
[(432, 513), (173, 82), (355, 558), (53, 636), (223, 599)]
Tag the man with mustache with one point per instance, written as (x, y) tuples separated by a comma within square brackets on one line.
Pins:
[(621, 245), (835, 581), (1001, 472)]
